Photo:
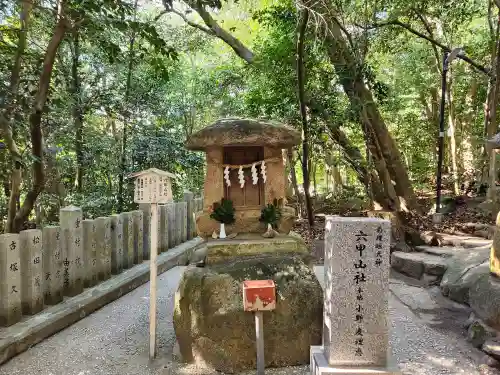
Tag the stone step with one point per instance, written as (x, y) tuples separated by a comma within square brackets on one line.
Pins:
[(417, 264), (463, 241), (443, 251)]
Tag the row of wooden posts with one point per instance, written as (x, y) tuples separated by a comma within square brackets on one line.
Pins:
[(40, 267)]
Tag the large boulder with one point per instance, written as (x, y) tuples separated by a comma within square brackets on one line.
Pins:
[(464, 269), (212, 328), (484, 299)]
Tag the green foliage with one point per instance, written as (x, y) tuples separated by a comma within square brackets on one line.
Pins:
[(271, 214), (223, 211)]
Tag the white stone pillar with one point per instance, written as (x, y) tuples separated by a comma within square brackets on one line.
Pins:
[(356, 326)]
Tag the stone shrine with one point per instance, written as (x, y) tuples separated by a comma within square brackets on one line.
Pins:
[(355, 314), (253, 147), (245, 166)]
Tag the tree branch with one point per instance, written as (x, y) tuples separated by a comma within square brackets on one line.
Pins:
[(445, 48), (214, 29), (187, 20)]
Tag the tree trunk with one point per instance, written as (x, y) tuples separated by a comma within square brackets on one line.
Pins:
[(347, 68), (293, 177), (492, 128), (123, 161), (301, 78), (36, 130), (77, 111), (6, 114)]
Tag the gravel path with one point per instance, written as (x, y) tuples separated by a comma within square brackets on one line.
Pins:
[(426, 338)]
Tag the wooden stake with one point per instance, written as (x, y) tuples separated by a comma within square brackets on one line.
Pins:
[(152, 281), (259, 335)]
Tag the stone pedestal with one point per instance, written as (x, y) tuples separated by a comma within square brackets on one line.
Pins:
[(355, 315), (212, 327), (31, 271), (251, 245)]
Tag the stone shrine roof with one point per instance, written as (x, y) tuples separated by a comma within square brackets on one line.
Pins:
[(244, 132)]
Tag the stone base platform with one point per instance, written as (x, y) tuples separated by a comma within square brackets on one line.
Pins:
[(213, 330), (320, 366), (253, 244), (246, 221)]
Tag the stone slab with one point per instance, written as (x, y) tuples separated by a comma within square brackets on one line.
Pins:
[(90, 253), (170, 207), (31, 271), (178, 223), (416, 264), (52, 265), (189, 199), (138, 223), (103, 245), (162, 229), (319, 366), (116, 244), (146, 218), (443, 251), (21, 336), (128, 240), (356, 331), (251, 245), (183, 222), (10, 279), (73, 269)]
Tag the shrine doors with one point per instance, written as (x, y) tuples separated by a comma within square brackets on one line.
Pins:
[(250, 195)]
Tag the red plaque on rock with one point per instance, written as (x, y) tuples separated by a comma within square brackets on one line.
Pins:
[(259, 295)]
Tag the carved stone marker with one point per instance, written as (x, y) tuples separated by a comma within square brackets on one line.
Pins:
[(103, 242), (189, 199), (10, 279), (146, 218), (355, 316), (183, 222), (128, 239), (52, 265), (116, 244), (138, 224), (31, 271), (90, 253), (162, 228), (73, 269), (170, 207)]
